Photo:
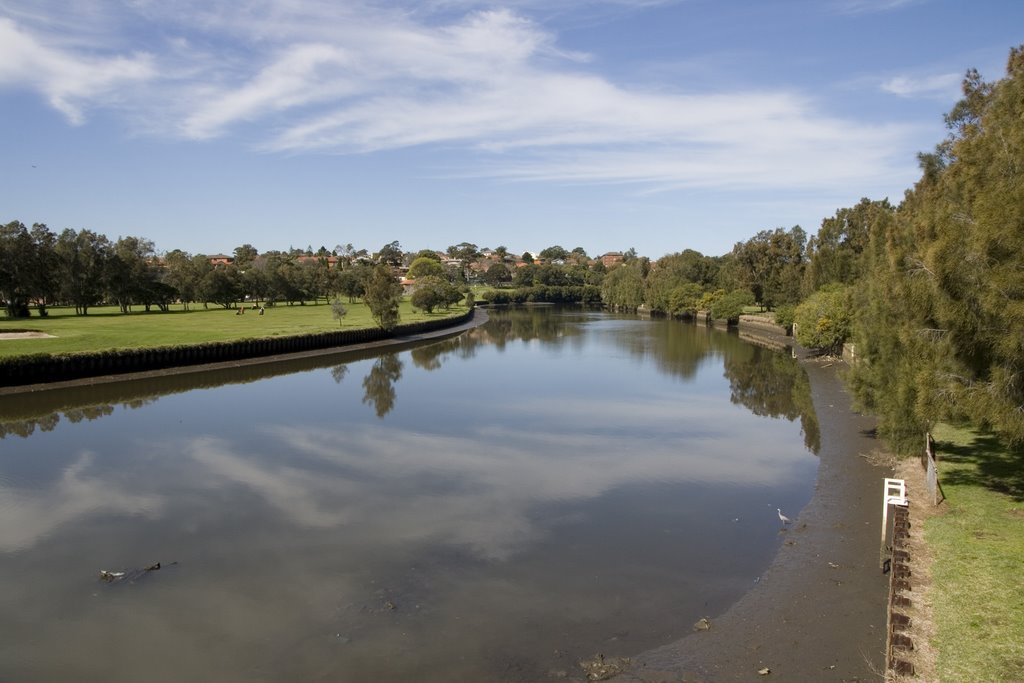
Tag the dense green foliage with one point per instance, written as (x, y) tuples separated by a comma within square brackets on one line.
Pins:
[(939, 315), (822, 321)]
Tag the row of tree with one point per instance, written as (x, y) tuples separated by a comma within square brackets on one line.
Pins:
[(84, 269), (933, 290)]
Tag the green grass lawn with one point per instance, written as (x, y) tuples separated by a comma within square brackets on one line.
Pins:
[(107, 328), (978, 545)]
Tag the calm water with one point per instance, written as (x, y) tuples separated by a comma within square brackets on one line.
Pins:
[(491, 507)]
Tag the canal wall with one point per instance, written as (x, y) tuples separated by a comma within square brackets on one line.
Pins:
[(61, 367)]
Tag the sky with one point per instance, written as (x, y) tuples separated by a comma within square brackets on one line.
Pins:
[(658, 125)]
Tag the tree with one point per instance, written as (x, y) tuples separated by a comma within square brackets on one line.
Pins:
[(391, 254), (823, 319), (524, 277), (554, 253), (623, 287), (338, 310), (675, 270), (130, 275), (27, 267), (82, 260), (424, 267), (497, 274), (771, 265), (527, 257), (940, 312), (45, 271), (835, 253), (427, 253), (684, 299), (383, 296), (550, 275), (352, 281), (730, 307), (429, 293), (466, 252), (245, 255), (222, 286)]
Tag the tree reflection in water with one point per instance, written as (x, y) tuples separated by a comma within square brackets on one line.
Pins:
[(379, 383), (767, 382), (773, 384), (338, 372)]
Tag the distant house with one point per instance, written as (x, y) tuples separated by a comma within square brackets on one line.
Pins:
[(221, 260), (612, 258)]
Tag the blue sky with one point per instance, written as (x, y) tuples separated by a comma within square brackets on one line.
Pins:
[(608, 124)]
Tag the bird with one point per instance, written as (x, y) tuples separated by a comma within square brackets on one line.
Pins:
[(783, 518)]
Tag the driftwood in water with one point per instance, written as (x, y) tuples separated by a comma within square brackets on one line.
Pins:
[(127, 575)]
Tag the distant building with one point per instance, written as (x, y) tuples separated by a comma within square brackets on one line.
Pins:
[(221, 260), (612, 258)]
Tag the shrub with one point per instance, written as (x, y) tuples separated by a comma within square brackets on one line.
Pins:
[(823, 320)]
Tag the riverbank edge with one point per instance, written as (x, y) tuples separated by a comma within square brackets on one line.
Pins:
[(401, 336), (48, 370), (818, 612)]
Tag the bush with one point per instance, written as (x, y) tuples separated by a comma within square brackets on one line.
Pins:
[(823, 320), (730, 306), (784, 316)]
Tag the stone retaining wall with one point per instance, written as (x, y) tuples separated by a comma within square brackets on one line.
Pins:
[(757, 322)]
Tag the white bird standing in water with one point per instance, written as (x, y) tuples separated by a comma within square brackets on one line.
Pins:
[(783, 518)]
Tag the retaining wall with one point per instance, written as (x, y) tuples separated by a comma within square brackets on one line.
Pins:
[(897, 641), (756, 322)]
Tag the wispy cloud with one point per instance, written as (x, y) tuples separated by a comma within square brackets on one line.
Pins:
[(31, 515), (944, 86), (317, 76), (68, 80), (872, 6)]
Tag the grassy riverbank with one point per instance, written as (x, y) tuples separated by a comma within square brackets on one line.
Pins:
[(978, 545), (107, 328)]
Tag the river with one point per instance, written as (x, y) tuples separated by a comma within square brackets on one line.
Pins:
[(493, 507)]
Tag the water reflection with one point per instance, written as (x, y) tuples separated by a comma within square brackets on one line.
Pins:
[(529, 493), (770, 383), (379, 384), (767, 382), (29, 515)]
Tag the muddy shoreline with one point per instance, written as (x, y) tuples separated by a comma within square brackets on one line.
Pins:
[(818, 612)]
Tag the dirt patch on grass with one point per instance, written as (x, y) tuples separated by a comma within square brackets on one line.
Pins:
[(25, 334), (922, 624)]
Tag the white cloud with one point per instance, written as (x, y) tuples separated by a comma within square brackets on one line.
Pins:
[(31, 515), (374, 487), (68, 80), (942, 86), (317, 76)]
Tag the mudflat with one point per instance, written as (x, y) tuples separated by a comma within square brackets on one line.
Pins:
[(818, 613)]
